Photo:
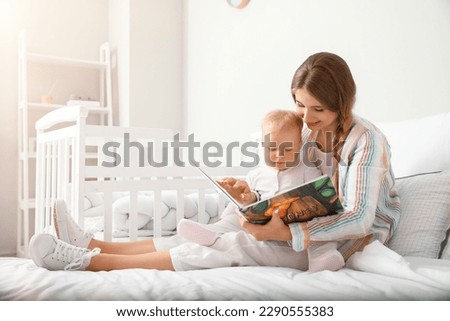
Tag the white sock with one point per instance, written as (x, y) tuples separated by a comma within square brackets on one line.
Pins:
[(327, 260)]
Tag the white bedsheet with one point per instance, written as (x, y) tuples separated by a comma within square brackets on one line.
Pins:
[(377, 273)]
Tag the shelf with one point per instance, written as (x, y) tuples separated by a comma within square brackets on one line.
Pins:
[(27, 136), (32, 155), (49, 107), (24, 156), (66, 61)]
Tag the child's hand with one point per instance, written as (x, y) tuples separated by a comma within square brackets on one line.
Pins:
[(238, 189)]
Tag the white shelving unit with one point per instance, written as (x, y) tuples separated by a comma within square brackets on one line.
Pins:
[(26, 135)]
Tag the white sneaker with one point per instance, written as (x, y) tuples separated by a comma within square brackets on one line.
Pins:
[(67, 229), (53, 254), (196, 232)]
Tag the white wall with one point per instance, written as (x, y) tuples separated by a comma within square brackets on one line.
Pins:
[(240, 62), (148, 37), (8, 125), (119, 38), (156, 63)]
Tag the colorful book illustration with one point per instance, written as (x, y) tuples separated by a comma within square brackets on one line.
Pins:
[(299, 204)]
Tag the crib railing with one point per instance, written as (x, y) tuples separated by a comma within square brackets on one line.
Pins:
[(75, 159)]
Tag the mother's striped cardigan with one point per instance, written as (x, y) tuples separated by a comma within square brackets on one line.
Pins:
[(367, 188)]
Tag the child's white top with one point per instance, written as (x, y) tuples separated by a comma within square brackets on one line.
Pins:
[(268, 181)]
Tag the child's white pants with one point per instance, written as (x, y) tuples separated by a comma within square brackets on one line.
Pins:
[(235, 247)]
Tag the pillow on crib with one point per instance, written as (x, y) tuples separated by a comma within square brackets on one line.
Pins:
[(425, 218), (419, 145), (96, 199)]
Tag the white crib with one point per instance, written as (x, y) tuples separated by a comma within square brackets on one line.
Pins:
[(70, 165)]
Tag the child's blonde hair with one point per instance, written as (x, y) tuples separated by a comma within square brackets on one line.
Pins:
[(280, 119)]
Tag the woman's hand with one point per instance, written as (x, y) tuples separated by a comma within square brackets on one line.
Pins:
[(274, 230), (238, 189)]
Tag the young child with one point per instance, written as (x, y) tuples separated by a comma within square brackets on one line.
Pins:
[(281, 132)]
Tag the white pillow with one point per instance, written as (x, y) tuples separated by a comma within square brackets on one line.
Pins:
[(96, 199), (419, 145), (425, 218)]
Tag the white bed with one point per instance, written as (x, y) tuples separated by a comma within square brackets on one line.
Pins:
[(376, 274), (416, 266)]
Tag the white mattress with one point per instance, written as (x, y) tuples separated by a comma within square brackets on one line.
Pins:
[(375, 274)]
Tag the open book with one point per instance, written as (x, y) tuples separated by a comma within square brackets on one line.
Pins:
[(299, 204)]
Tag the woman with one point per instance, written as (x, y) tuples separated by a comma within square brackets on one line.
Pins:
[(349, 149)]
